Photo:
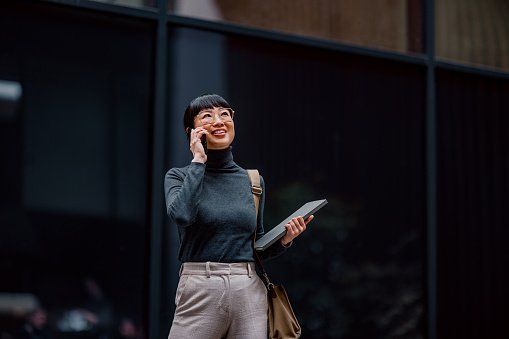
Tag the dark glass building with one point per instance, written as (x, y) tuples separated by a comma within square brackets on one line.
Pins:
[(395, 111)]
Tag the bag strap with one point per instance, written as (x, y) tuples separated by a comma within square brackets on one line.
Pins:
[(256, 189)]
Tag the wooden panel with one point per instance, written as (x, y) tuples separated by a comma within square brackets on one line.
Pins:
[(473, 31), (380, 24)]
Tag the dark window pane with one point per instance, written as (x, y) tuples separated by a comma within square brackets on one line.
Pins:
[(473, 195), (73, 201), (325, 125), (322, 125)]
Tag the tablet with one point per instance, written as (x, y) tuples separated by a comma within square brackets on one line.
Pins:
[(279, 231)]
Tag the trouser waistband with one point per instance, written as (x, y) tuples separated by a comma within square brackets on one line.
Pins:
[(215, 268)]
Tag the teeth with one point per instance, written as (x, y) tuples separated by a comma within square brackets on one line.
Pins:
[(219, 132)]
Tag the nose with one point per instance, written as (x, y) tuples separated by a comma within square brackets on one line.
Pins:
[(217, 120)]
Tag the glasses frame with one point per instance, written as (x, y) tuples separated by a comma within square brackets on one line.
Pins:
[(232, 112)]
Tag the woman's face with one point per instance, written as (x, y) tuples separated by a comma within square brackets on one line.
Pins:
[(218, 122)]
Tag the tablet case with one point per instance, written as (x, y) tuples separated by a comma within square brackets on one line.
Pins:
[(279, 231)]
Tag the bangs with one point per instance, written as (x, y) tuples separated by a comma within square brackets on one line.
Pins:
[(207, 101)]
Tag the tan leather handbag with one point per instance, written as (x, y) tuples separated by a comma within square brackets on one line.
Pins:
[(283, 323)]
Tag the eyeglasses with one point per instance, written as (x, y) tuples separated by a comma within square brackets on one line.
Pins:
[(207, 117)]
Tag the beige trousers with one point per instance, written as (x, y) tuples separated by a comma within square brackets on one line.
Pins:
[(217, 300)]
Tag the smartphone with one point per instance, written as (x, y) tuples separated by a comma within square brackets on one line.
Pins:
[(203, 140), (204, 143)]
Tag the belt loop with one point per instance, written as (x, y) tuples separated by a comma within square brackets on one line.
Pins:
[(181, 269), (207, 268), (249, 271)]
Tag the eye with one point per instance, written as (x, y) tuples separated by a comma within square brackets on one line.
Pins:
[(206, 115), (225, 113)]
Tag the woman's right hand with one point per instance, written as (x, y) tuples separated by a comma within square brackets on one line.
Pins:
[(196, 146)]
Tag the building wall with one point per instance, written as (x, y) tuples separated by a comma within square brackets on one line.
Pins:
[(81, 176)]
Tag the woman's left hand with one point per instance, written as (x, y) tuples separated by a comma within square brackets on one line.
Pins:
[(295, 227)]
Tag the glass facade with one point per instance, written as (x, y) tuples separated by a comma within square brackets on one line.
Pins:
[(302, 120), (473, 165), (410, 153), (359, 269), (74, 163), (394, 25)]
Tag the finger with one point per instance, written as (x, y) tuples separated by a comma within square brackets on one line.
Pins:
[(195, 139), (192, 138), (195, 142), (290, 228), (295, 227), (299, 224), (201, 131), (197, 133), (311, 217), (196, 130)]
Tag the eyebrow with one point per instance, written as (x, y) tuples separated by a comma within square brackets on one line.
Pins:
[(211, 109)]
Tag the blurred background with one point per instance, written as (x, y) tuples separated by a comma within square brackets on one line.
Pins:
[(395, 111)]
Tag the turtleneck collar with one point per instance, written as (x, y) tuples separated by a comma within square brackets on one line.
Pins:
[(220, 159)]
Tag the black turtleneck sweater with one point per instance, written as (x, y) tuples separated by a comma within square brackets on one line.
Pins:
[(213, 207)]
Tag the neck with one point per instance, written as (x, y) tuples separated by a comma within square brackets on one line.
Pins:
[(220, 158)]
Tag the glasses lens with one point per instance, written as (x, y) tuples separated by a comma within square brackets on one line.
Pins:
[(224, 114)]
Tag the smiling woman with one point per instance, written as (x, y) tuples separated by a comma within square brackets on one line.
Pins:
[(211, 202), (211, 116), (217, 125)]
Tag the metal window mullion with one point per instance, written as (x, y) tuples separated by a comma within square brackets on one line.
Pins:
[(138, 12), (158, 160), (294, 39), (431, 171), (477, 70)]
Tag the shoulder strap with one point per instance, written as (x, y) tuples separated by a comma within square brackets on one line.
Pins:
[(256, 187)]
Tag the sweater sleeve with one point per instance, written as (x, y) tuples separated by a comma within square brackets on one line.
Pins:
[(275, 249), (182, 193)]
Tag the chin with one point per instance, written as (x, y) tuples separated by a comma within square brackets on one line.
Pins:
[(219, 144), (218, 147)]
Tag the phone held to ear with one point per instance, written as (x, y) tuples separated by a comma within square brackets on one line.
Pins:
[(204, 143), (203, 140)]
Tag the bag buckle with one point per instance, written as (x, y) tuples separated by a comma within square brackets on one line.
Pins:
[(256, 190), (272, 291)]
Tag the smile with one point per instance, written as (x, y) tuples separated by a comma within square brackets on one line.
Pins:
[(219, 132)]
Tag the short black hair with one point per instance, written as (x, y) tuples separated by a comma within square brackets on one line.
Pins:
[(198, 104)]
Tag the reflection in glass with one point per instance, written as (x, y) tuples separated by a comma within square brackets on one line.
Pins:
[(133, 3), (473, 31), (10, 95), (73, 177), (392, 24)]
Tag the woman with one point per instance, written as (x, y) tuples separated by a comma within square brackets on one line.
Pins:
[(219, 294)]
